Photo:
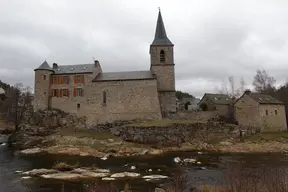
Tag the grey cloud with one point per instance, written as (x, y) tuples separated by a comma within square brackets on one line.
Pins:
[(213, 40)]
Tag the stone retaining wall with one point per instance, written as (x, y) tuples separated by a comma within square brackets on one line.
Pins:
[(195, 115), (170, 135)]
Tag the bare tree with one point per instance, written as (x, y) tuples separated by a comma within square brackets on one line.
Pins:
[(263, 82), (17, 104), (242, 86)]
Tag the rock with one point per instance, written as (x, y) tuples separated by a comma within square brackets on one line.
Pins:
[(101, 170), (64, 176), (159, 190), (62, 122), (92, 174), (189, 160), (155, 152), (177, 160), (111, 140), (144, 152), (36, 172), (225, 143), (108, 179), (33, 151), (125, 174), (155, 177), (26, 177)]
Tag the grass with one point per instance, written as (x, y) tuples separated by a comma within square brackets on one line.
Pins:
[(86, 133), (268, 136), (163, 123)]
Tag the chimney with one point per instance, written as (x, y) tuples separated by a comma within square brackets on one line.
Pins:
[(96, 63), (55, 65), (247, 91)]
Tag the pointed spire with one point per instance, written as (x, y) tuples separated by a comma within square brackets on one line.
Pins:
[(44, 66), (160, 34)]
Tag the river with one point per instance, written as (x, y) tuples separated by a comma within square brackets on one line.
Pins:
[(209, 172)]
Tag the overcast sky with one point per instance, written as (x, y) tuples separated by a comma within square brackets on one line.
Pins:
[(213, 39)]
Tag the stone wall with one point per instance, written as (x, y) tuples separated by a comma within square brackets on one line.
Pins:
[(55, 119), (170, 135), (195, 115), (274, 119), (42, 89), (125, 100)]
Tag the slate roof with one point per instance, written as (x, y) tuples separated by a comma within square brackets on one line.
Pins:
[(80, 68), (220, 99), (160, 34), (44, 66), (126, 75), (264, 99)]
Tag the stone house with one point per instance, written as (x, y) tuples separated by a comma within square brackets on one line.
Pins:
[(260, 110), (216, 102), (108, 96), (189, 104)]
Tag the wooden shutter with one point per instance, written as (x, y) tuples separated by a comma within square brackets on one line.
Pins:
[(52, 93), (75, 79), (83, 78), (67, 92), (61, 92), (51, 79), (74, 92)]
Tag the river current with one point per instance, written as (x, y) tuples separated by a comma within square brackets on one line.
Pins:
[(208, 172)]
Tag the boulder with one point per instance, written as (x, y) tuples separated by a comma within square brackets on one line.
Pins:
[(155, 177), (62, 122), (64, 176), (125, 174), (33, 151), (36, 172)]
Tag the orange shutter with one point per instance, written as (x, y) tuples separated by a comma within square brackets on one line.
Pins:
[(75, 79), (74, 92), (60, 79), (61, 92)]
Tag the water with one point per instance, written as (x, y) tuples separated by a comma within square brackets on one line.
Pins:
[(209, 172)]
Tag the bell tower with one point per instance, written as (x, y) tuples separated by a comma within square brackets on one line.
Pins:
[(162, 65)]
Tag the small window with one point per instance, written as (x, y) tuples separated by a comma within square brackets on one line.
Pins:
[(54, 80), (266, 112), (45, 93), (276, 112), (162, 56), (78, 105), (79, 78), (55, 93), (104, 97), (65, 92), (44, 77), (215, 98), (65, 79), (79, 92)]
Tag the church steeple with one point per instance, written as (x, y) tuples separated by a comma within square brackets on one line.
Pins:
[(160, 34)]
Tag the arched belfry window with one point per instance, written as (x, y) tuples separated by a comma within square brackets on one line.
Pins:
[(162, 56)]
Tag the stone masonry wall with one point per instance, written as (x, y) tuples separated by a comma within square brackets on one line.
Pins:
[(125, 100), (202, 116), (170, 135), (42, 89), (275, 120)]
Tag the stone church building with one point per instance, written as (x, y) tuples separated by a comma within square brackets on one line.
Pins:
[(108, 96)]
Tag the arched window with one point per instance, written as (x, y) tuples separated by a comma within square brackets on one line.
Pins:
[(162, 56)]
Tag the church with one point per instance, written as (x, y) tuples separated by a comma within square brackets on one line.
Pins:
[(111, 96)]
